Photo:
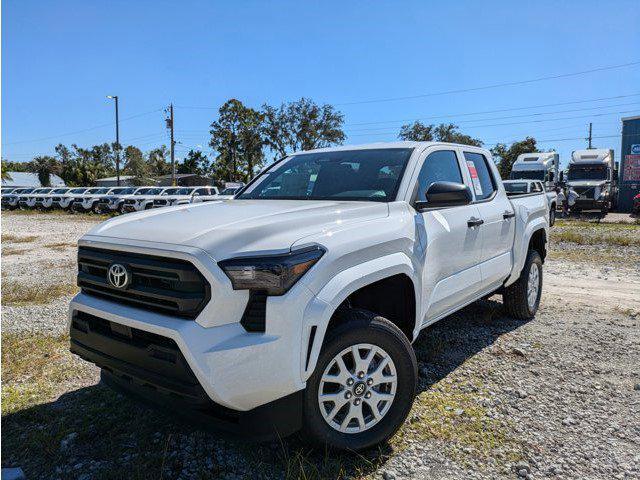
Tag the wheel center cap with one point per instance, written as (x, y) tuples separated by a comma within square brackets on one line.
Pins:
[(359, 388)]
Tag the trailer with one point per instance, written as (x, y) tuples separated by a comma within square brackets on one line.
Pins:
[(630, 168)]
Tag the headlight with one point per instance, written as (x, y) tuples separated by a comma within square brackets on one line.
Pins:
[(275, 274)]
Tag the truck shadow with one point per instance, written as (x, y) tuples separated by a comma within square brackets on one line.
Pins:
[(95, 433)]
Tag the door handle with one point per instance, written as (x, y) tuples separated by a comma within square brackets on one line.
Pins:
[(507, 214), (474, 222)]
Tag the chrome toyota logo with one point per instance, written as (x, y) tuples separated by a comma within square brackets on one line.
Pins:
[(118, 276)]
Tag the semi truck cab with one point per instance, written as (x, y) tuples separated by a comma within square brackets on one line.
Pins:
[(593, 176)]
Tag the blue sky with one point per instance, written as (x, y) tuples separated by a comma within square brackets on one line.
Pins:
[(60, 59)]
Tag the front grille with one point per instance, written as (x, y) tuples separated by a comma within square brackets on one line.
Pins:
[(39, 199), (160, 203), (130, 201), (163, 284), (587, 192), (57, 199)]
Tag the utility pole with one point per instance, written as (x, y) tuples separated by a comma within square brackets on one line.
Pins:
[(589, 138), (115, 97), (173, 143)]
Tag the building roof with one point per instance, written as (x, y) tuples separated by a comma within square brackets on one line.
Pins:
[(113, 179), (26, 179)]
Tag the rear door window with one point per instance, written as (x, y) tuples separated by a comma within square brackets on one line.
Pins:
[(483, 182)]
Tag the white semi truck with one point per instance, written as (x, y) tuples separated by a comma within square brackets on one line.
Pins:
[(593, 176), (543, 167)]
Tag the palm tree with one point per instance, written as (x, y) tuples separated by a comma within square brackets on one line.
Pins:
[(44, 166), (4, 173)]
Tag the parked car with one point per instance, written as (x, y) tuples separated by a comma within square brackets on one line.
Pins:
[(28, 200), (114, 201), (522, 187), (181, 195), (10, 200), (65, 200), (88, 201), (47, 200), (7, 190), (294, 304), (141, 199)]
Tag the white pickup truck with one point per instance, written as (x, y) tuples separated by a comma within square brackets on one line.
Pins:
[(295, 304)]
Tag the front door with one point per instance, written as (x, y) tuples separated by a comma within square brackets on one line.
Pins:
[(450, 247)]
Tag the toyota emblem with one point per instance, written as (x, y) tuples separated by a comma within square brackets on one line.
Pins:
[(119, 276)]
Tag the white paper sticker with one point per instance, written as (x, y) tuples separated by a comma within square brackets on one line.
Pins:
[(474, 177)]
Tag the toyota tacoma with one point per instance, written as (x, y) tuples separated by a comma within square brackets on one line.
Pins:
[(294, 305)]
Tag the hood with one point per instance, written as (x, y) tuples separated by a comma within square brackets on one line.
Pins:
[(586, 183), (237, 227)]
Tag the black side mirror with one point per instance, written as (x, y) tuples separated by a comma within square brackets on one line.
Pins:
[(445, 194)]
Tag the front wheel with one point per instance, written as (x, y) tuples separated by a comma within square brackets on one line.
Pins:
[(522, 298), (552, 216), (363, 385)]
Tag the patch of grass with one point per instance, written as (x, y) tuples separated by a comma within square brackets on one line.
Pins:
[(11, 238), (13, 251), (14, 294), (61, 245), (561, 223), (595, 255), (580, 238)]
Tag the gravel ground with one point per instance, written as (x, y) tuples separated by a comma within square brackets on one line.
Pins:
[(556, 397)]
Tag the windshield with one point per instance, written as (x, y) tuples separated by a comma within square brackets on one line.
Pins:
[(229, 191), (363, 175), (516, 187), (587, 172), (78, 190), (527, 175), (99, 191), (60, 190), (178, 191), (120, 191), (42, 190), (148, 191)]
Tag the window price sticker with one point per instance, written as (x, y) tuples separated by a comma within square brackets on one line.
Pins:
[(474, 177)]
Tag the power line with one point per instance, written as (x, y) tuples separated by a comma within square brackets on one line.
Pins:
[(521, 115), (487, 87), (449, 115), (104, 125)]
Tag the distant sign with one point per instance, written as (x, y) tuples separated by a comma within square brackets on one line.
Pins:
[(635, 149), (631, 167)]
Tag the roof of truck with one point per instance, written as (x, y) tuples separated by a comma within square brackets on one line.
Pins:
[(398, 144)]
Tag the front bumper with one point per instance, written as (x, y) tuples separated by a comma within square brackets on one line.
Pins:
[(590, 204)]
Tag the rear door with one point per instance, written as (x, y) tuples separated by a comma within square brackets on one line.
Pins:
[(451, 249), (498, 215)]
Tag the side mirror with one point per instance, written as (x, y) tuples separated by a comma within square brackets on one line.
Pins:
[(445, 194)]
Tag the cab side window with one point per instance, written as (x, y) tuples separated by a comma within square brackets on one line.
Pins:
[(440, 166), (483, 183)]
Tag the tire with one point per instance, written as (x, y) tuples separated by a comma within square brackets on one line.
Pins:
[(552, 216), (95, 208), (516, 296), (362, 327)]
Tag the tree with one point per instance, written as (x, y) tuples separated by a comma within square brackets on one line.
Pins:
[(135, 165), (4, 173), (508, 155), (445, 132), (237, 137), (301, 125), (195, 162), (44, 166), (157, 162)]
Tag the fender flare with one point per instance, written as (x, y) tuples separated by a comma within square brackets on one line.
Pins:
[(319, 311), (520, 250)]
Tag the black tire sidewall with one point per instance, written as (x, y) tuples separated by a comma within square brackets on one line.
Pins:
[(384, 334)]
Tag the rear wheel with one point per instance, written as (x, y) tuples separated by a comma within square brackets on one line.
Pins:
[(363, 385), (522, 298), (95, 208), (552, 216)]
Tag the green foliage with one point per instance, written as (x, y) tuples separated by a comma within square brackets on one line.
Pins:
[(4, 172), (44, 166), (195, 162), (301, 125), (507, 155), (237, 137), (445, 132), (134, 164), (157, 162)]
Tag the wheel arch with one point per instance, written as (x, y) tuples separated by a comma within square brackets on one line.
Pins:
[(359, 286)]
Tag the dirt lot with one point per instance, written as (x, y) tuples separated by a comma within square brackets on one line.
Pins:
[(556, 397)]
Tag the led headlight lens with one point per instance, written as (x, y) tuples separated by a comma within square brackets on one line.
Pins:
[(274, 274)]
